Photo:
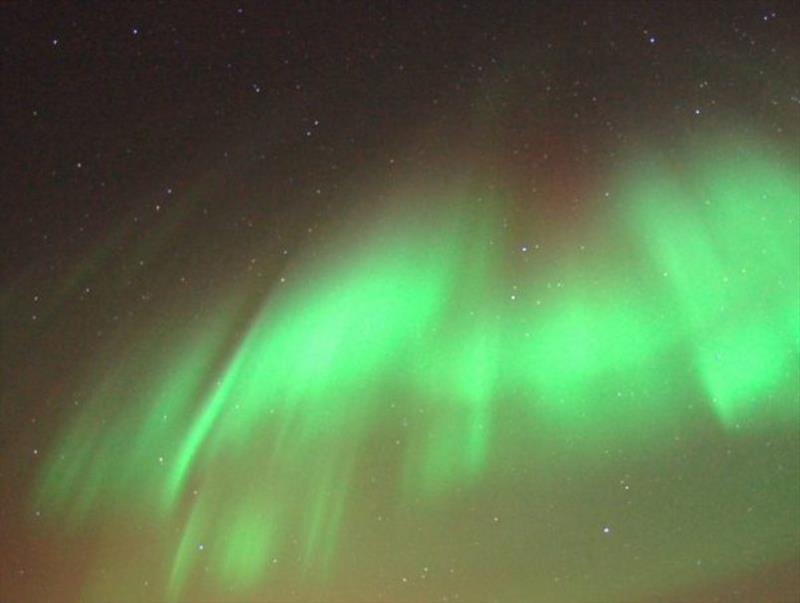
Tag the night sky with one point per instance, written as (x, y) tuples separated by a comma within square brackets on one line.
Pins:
[(452, 301)]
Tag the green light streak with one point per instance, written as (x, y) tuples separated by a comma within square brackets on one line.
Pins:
[(726, 237), (419, 312)]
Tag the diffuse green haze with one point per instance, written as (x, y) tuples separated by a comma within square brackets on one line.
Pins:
[(254, 452), (726, 237)]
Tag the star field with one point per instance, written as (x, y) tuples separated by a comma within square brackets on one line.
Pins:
[(400, 302)]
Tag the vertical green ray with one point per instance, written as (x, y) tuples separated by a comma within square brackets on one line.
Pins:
[(729, 246)]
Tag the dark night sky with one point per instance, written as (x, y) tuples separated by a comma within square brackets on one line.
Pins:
[(145, 96), (170, 162)]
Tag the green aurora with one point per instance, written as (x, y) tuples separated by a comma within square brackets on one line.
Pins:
[(413, 349)]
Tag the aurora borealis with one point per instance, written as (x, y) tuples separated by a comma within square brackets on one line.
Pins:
[(478, 373)]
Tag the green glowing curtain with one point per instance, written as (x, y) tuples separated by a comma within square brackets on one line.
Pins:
[(698, 294)]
